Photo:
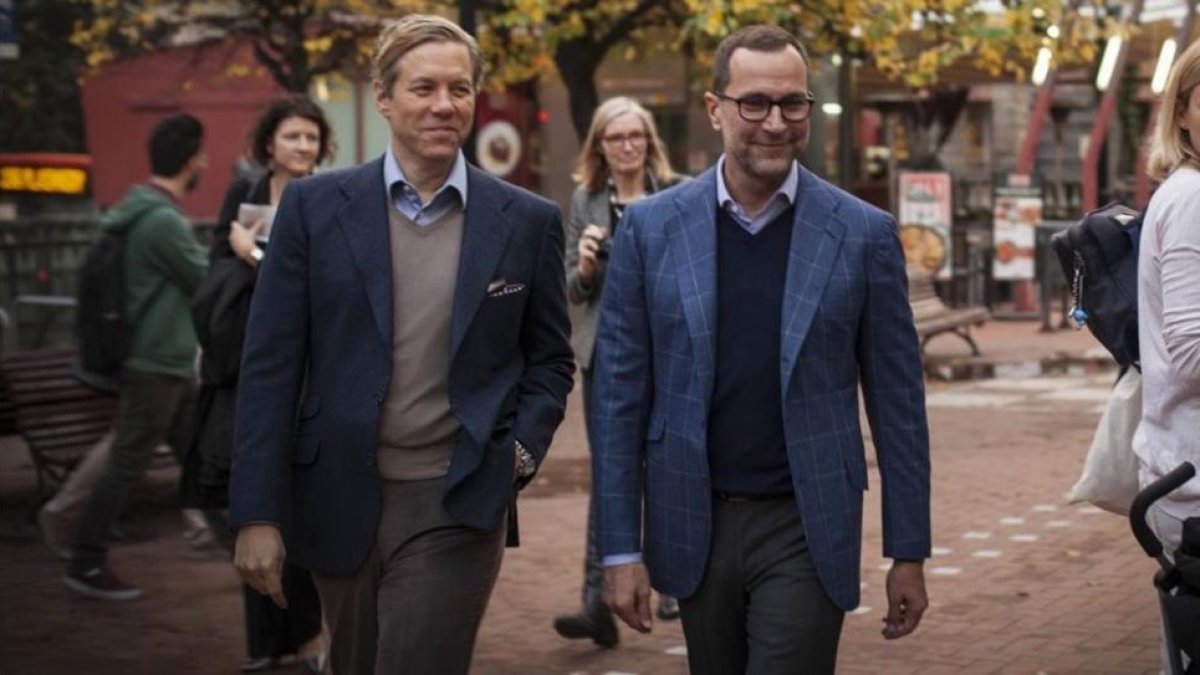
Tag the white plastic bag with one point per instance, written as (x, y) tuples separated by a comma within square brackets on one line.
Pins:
[(1110, 472)]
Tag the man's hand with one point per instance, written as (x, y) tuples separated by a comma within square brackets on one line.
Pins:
[(906, 598), (589, 244), (258, 556), (627, 593)]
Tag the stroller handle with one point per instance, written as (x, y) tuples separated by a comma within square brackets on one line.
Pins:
[(1147, 496)]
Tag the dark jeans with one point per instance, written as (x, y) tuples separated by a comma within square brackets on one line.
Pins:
[(152, 409), (760, 608)]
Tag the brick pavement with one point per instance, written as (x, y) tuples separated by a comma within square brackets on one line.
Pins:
[(1020, 583)]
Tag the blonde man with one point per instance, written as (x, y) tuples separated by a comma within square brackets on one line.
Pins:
[(405, 366)]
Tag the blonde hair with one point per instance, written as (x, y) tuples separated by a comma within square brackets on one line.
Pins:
[(1171, 146), (591, 171), (403, 35)]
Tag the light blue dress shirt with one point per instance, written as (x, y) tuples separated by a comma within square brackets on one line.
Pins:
[(779, 202), (452, 193)]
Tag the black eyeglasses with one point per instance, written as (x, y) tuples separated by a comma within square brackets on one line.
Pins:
[(756, 107)]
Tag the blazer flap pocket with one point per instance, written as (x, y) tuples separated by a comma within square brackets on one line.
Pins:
[(311, 406), (307, 449), (657, 428)]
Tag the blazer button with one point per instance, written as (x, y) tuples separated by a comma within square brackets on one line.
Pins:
[(370, 460)]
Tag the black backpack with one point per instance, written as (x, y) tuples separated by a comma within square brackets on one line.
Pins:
[(102, 331), (1099, 258)]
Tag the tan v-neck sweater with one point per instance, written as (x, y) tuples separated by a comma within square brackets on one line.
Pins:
[(417, 428)]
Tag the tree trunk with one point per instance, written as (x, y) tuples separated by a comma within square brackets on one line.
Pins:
[(577, 62)]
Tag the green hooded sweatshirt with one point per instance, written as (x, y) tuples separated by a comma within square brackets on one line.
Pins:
[(163, 265)]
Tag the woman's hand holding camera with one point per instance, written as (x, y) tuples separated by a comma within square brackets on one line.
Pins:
[(593, 247)]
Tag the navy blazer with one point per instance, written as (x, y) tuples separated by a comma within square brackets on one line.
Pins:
[(318, 361), (846, 321)]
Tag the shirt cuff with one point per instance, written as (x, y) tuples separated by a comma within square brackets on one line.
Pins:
[(622, 559)]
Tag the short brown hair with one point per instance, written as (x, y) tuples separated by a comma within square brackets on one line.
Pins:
[(403, 35), (592, 169), (1171, 147), (759, 38), (295, 105)]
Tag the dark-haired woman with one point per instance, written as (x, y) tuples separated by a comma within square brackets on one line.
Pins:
[(291, 138)]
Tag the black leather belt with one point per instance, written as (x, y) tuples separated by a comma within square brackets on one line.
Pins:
[(750, 496)]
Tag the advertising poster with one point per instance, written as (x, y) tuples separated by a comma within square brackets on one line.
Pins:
[(1016, 212), (925, 218)]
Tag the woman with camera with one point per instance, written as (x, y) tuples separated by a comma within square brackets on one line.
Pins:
[(622, 160)]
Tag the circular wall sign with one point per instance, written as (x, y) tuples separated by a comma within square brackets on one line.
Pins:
[(498, 147)]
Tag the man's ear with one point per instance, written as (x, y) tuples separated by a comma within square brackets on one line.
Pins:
[(383, 98), (712, 105)]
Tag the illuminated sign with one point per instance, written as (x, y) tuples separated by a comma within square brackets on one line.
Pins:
[(53, 180), (44, 173)]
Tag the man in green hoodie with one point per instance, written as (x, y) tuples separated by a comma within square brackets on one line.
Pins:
[(163, 265)]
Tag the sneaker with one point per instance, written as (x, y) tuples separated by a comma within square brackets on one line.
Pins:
[(56, 532), (100, 583)]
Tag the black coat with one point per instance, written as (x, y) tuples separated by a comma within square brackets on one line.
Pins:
[(220, 309)]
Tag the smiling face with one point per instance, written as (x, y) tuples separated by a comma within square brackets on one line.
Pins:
[(294, 146), (760, 154), (431, 105), (623, 144)]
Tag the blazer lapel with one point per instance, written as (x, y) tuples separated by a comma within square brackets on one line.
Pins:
[(364, 220), (693, 246), (486, 230), (816, 237)]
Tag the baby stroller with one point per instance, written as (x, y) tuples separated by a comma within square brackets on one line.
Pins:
[(1178, 582)]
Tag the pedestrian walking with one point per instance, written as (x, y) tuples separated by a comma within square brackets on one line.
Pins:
[(406, 363), (742, 313), (290, 139), (163, 265), (1169, 305), (622, 160)]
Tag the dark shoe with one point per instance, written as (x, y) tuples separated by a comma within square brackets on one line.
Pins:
[(596, 623), (100, 583), (668, 608)]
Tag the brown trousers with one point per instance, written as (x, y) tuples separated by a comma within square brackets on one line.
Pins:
[(415, 605)]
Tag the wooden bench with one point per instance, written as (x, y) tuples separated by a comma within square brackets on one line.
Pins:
[(59, 417), (933, 317)]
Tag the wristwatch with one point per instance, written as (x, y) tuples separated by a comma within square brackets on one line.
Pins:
[(526, 465), (257, 254)]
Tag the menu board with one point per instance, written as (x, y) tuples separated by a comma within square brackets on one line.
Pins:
[(925, 218), (1016, 212)]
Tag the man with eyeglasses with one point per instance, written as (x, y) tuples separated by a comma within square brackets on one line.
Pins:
[(742, 313)]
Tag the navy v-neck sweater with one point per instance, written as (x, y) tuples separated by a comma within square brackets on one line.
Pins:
[(746, 447)]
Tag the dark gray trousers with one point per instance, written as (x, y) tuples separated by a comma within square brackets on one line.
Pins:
[(760, 609), (152, 409), (415, 605)]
